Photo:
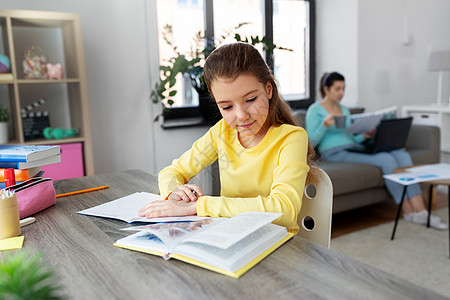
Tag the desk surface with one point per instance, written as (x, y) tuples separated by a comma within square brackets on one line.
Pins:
[(80, 249)]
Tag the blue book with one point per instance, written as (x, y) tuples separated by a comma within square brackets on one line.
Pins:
[(27, 153), (26, 165)]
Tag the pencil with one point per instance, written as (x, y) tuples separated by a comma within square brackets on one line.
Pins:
[(83, 191)]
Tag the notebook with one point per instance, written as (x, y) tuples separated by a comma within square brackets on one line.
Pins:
[(391, 135)]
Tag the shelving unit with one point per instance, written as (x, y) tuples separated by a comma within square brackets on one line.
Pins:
[(438, 115), (59, 36)]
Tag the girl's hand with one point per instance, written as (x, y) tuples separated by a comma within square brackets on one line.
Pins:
[(186, 193), (168, 208), (370, 134), (328, 121)]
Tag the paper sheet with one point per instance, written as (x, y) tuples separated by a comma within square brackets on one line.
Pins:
[(126, 209), (364, 124)]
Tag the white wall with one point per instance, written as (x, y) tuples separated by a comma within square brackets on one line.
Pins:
[(337, 44), (361, 39), (393, 72)]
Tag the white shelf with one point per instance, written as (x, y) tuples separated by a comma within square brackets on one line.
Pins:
[(438, 115), (59, 36)]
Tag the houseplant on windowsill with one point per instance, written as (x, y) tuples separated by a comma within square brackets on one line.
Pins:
[(191, 65), (4, 118)]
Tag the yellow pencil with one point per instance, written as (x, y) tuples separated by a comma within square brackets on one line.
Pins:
[(83, 191)]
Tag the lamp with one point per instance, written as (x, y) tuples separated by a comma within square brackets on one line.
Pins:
[(439, 61)]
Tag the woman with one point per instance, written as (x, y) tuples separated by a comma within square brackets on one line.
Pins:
[(263, 157), (333, 143)]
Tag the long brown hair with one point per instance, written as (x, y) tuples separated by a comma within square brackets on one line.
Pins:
[(231, 60)]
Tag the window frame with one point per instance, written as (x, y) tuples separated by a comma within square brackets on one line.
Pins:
[(191, 116)]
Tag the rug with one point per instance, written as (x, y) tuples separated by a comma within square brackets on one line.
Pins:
[(417, 254)]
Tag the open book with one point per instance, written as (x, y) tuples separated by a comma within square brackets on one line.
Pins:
[(228, 246), (126, 209)]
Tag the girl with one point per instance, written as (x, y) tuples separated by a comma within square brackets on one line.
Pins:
[(333, 142), (263, 157)]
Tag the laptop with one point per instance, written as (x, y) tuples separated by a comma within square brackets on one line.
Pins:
[(390, 135)]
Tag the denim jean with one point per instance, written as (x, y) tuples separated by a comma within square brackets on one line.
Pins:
[(386, 161)]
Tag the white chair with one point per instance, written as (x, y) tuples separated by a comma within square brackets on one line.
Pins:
[(314, 218)]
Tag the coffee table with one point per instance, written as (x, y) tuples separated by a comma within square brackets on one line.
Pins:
[(432, 183)]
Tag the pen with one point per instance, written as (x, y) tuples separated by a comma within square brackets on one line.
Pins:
[(83, 191)]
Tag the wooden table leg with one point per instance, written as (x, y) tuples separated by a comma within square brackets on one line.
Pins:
[(398, 211)]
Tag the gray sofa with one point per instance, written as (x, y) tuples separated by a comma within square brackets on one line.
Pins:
[(357, 185)]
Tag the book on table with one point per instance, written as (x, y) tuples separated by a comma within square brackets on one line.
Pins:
[(27, 165), (230, 246), (21, 175), (27, 153)]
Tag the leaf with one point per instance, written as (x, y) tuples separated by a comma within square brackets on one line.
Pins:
[(172, 93)]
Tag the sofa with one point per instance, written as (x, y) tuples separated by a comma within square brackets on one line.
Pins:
[(356, 185)]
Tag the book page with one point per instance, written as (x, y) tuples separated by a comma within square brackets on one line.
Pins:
[(126, 209), (144, 240), (238, 255), (173, 233), (226, 234)]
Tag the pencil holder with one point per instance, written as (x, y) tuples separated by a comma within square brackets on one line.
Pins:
[(9, 215)]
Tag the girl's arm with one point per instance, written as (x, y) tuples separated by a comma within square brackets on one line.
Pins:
[(202, 153)]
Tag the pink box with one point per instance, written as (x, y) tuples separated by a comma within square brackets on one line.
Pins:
[(71, 164)]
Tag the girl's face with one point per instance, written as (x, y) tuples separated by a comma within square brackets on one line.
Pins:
[(244, 105), (336, 91)]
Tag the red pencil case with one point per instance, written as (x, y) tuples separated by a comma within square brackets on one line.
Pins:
[(34, 195)]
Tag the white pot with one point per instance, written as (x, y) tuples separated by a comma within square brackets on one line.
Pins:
[(3, 132)]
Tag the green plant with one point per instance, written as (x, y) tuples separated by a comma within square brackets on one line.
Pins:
[(4, 113), (24, 276), (192, 63)]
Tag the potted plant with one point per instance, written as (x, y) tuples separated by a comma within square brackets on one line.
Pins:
[(191, 64), (24, 276), (4, 118)]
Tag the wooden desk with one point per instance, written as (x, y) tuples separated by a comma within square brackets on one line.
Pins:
[(80, 249)]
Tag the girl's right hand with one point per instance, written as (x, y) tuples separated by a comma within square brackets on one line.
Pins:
[(186, 193), (328, 121)]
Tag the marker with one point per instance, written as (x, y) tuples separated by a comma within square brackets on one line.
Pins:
[(83, 191), (27, 221)]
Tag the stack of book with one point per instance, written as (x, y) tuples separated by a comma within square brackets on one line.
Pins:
[(26, 160)]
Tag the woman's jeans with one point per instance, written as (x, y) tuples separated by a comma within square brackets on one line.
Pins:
[(386, 161)]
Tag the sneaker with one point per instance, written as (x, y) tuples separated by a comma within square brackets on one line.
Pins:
[(422, 219), (409, 217)]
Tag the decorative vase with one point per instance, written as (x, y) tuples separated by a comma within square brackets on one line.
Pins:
[(3, 132)]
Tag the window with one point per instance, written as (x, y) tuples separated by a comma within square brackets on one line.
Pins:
[(288, 23)]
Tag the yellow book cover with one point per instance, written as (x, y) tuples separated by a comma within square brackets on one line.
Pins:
[(227, 246)]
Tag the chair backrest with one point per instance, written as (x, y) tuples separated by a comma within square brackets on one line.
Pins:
[(314, 218)]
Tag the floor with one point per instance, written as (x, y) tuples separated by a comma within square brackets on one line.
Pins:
[(373, 215)]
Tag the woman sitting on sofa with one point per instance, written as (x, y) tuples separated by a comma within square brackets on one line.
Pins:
[(333, 143)]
